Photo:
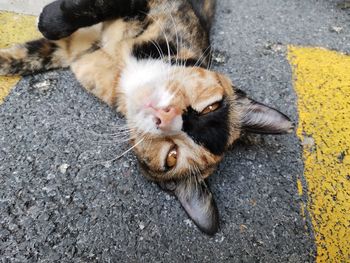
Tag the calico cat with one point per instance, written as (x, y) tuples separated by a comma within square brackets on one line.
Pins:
[(149, 59)]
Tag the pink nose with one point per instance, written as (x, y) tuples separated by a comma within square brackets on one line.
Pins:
[(164, 117)]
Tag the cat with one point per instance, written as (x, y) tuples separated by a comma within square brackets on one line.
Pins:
[(150, 60)]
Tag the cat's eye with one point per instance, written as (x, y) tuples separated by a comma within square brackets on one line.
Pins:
[(211, 108), (171, 159)]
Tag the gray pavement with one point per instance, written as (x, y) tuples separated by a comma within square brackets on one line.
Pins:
[(64, 199)]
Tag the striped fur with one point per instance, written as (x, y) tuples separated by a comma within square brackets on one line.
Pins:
[(205, 10)]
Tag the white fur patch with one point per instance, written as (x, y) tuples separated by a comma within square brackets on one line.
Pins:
[(177, 123), (139, 73), (144, 82)]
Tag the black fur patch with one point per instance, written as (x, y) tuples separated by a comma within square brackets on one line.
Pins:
[(158, 50), (62, 17), (41, 46), (16, 66), (34, 46), (210, 130), (88, 12), (154, 50), (188, 63), (145, 26), (40, 50)]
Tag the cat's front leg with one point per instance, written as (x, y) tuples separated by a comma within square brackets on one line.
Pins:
[(62, 17)]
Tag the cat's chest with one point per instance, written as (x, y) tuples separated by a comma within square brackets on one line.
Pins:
[(145, 72)]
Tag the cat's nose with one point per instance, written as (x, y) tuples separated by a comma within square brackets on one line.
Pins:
[(165, 116)]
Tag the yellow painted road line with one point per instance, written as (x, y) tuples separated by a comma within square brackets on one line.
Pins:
[(14, 28), (322, 83)]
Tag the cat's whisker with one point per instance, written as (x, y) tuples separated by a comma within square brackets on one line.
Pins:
[(155, 43), (166, 40), (165, 37), (121, 155), (178, 44), (184, 62), (203, 57), (118, 135), (130, 149), (111, 142), (157, 46), (207, 53), (121, 131), (210, 63)]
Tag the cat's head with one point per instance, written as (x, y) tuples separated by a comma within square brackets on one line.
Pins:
[(182, 120)]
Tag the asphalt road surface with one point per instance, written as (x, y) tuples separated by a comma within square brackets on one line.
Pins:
[(64, 197)]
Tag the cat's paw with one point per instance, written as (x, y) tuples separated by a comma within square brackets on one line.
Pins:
[(53, 23)]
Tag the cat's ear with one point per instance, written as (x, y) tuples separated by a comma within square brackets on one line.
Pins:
[(197, 200), (259, 118)]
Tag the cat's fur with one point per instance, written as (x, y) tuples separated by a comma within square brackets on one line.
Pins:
[(149, 59)]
